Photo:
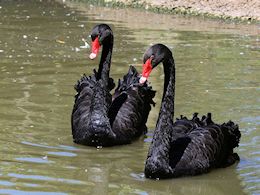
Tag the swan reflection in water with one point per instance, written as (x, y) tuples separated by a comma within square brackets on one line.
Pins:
[(123, 174)]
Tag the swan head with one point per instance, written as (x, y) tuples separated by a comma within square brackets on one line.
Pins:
[(100, 35), (153, 56)]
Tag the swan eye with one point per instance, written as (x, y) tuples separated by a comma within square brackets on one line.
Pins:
[(99, 38), (152, 59), (93, 37)]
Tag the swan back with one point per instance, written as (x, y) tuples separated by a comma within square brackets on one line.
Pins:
[(90, 124), (194, 147), (131, 106)]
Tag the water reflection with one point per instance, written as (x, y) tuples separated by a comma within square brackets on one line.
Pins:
[(41, 59)]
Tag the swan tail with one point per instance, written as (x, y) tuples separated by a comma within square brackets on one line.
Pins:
[(230, 129), (221, 138), (225, 138), (233, 133), (203, 149)]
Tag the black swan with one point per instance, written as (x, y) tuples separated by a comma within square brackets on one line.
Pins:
[(185, 147), (98, 119)]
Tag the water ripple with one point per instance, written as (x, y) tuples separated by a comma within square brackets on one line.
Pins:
[(15, 192), (46, 178), (71, 148), (34, 160), (68, 154)]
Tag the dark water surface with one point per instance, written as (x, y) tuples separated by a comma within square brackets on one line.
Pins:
[(218, 70)]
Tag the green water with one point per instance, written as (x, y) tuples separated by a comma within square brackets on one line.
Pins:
[(218, 70)]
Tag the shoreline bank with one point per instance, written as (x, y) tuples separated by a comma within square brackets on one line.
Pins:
[(225, 9)]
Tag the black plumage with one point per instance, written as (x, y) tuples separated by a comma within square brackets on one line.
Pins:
[(134, 102), (185, 147), (97, 118)]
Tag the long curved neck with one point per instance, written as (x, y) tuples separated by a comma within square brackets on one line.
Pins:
[(105, 60), (159, 150), (167, 105)]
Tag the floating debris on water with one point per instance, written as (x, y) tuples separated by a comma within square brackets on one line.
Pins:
[(45, 157), (60, 41), (86, 46)]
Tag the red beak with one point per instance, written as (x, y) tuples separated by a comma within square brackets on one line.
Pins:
[(95, 48), (147, 69)]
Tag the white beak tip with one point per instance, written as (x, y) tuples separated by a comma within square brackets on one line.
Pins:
[(142, 80), (92, 56)]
